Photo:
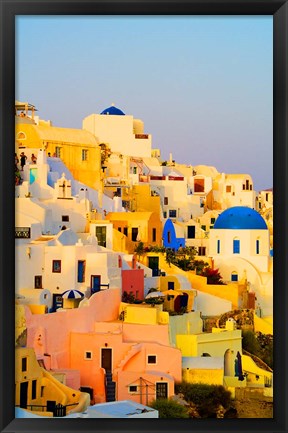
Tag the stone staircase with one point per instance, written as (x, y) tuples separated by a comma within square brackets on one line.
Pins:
[(110, 387)]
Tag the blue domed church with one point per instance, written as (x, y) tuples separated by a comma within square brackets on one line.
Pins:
[(240, 247)]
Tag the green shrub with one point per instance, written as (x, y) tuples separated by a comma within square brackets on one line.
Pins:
[(207, 398), (169, 409)]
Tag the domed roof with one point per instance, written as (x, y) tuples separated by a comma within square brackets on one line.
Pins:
[(114, 111), (240, 217)]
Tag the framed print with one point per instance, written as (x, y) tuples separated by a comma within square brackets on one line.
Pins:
[(137, 233)]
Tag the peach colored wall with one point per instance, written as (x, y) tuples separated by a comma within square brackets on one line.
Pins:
[(145, 333), (127, 378), (90, 369), (104, 306), (133, 281), (169, 360), (126, 357)]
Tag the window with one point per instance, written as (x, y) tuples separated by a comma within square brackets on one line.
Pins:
[(198, 185), (236, 246), (228, 188), (161, 390), (134, 233), (257, 246), (165, 214), (38, 282), (170, 285), (267, 197), (56, 266), (133, 388), (213, 220), (88, 355), (58, 152), (81, 271), (201, 251), (151, 359), (165, 200), (65, 218), (33, 390), (203, 227), (101, 232), (218, 246), (247, 185), (134, 170), (169, 237), (191, 232), (153, 235), (125, 231), (234, 276), (172, 213), (84, 154), (24, 364), (119, 229)]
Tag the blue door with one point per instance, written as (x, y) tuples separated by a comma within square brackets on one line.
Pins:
[(95, 283)]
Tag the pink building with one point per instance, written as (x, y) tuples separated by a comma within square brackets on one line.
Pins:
[(107, 353), (133, 280)]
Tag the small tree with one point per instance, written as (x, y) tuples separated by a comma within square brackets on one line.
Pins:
[(139, 249), (213, 275), (170, 256), (169, 409)]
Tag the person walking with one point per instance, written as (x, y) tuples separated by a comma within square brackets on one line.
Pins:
[(23, 158), (33, 158)]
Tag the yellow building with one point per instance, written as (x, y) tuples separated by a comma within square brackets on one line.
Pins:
[(134, 227), (35, 387), (78, 149), (140, 199)]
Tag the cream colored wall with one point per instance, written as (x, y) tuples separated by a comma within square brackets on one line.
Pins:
[(97, 263), (27, 267), (238, 196), (247, 245), (178, 198), (109, 231), (117, 132)]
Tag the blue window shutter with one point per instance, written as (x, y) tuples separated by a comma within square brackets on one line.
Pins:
[(236, 246)]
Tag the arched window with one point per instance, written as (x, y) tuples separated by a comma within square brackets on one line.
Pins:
[(234, 276), (236, 246), (21, 136)]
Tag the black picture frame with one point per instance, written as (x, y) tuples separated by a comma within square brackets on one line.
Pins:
[(279, 10)]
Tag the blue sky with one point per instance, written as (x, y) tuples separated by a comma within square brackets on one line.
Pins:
[(202, 85)]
